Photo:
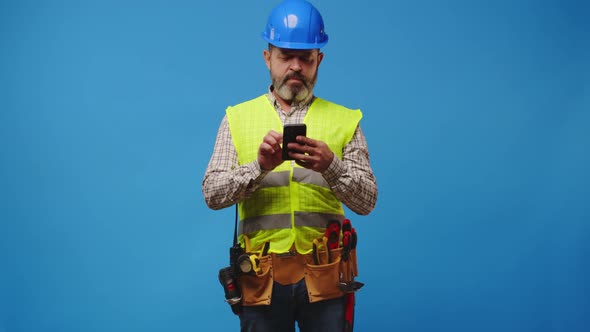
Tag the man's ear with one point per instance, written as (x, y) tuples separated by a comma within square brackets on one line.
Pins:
[(266, 55), (320, 58)]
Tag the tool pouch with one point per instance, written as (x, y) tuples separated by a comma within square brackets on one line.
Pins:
[(322, 280), (257, 288), (350, 268)]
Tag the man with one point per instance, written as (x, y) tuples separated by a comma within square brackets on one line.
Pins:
[(286, 205)]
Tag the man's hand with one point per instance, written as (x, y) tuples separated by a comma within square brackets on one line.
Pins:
[(269, 152), (311, 153)]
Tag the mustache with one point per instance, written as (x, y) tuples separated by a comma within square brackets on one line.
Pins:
[(296, 76)]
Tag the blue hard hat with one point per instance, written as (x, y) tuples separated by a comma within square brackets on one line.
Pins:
[(295, 24)]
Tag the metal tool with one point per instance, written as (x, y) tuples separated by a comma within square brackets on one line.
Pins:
[(265, 249), (346, 232), (349, 241), (327, 249), (315, 245)]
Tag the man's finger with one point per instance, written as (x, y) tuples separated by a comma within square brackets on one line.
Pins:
[(306, 141), (273, 139), (276, 136), (270, 142), (266, 149), (302, 163), (296, 147), (297, 155)]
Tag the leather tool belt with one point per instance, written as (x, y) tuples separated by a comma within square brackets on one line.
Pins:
[(322, 279)]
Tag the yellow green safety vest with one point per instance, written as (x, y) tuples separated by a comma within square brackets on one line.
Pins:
[(293, 205)]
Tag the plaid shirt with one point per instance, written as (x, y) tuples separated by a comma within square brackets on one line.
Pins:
[(351, 179)]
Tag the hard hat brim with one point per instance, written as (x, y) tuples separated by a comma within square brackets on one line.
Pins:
[(296, 46)]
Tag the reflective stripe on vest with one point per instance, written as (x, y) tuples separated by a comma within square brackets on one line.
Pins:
[(302, 175), (292, 204), (283, 221)]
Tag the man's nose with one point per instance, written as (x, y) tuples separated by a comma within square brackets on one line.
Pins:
[(295, 64)]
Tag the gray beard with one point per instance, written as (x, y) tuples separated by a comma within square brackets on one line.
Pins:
[(294, 95)]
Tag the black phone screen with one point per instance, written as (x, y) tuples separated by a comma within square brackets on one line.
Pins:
[(290, 132)]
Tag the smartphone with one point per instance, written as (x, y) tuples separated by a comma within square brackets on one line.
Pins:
[(290, 132)]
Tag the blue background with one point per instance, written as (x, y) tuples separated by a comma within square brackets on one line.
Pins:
[(477, 115)]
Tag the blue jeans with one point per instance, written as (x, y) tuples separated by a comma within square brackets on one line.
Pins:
[(290, 304)]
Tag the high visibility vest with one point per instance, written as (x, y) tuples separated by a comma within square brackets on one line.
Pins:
[(293, 205)]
